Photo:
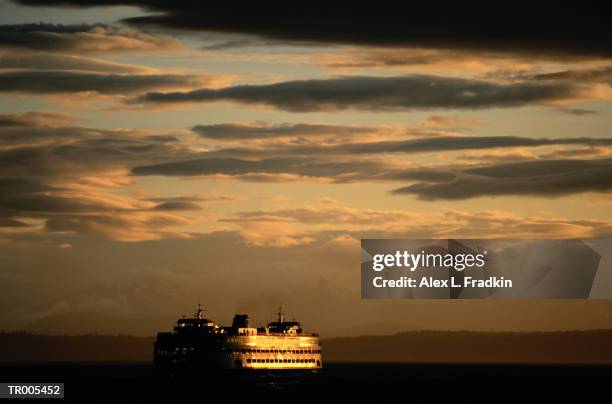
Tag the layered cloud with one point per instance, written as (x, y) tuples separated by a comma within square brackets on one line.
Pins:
[(459, 62), (35, 119), (57, 82), (542, 178), (234, 131), (71, 179), (473, 166), (62, 178), (380, 94), (534, 178), (54, 61), (326, 217), (269, 169), (411, 145), (83, 38), (327, 134), (598, 74), (48, 58)]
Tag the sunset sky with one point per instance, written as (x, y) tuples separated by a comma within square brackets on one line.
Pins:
[(158, 156)]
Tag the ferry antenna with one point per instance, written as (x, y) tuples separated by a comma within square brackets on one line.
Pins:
[(199, 311)]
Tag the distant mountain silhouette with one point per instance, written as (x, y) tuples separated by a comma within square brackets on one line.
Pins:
[(592, 346), (26, 347), (414, 346), (377, 328), (97, 323)]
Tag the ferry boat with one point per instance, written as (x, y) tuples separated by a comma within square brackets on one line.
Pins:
[(198, 342)]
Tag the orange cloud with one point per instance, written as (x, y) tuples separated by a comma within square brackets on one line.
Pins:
[(327, 218)]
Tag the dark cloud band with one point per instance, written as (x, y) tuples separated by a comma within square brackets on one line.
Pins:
[(419, 145), (376, 93), (232, 131), (52, 82), (538, 29), (531, 178)]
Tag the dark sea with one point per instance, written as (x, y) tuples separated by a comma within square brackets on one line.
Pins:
[(379, 383)]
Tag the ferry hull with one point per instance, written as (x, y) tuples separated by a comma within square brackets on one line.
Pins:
[(257, 352)]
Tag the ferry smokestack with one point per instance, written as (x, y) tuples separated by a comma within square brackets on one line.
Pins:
[(240, 321)]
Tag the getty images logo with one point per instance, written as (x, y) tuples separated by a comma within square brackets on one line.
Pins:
[(411, 261)]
